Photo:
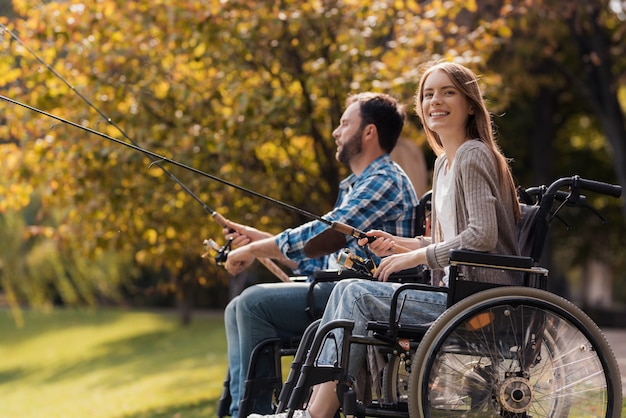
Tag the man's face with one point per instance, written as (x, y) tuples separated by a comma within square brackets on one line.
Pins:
[(348, 134)]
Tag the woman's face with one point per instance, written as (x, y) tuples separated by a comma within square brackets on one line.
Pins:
[(444, 107)]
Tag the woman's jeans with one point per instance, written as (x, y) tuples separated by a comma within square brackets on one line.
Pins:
[(363, 301)]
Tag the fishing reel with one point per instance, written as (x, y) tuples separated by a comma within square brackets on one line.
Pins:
[(222, 251), (349, 260)]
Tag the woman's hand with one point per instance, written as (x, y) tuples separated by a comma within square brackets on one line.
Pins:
[(398, 262), (382, 245)]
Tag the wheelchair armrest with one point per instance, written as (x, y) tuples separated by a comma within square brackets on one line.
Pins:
[(333, 275), (418, 274), (415, 274), (477, 258), (460, 288)]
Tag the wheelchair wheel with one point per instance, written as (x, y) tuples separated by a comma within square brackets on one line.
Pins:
[(514, 352), (396, 376)]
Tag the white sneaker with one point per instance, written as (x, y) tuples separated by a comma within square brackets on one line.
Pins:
[(296, 414)]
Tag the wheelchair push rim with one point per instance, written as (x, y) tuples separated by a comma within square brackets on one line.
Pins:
[(514, 352)]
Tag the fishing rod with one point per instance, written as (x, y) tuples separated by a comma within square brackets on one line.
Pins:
[(268, 263), (335, 225)]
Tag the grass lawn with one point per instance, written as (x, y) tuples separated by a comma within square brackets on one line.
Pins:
[(110, 363)]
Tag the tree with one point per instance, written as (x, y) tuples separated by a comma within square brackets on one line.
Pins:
[(562, 68)]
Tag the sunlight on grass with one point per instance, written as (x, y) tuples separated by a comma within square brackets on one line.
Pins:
[(110, 364)]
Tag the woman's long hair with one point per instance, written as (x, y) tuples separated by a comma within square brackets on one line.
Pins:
[(478, 127)]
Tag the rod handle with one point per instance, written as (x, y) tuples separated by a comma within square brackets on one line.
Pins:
[(358, 234)]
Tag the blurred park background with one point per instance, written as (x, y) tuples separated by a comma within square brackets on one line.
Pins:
[(250, 91)]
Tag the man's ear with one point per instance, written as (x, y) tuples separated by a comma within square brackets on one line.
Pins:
[(370, 130)]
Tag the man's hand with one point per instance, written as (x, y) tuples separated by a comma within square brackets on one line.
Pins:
[(237, 239), (238, 260), (242, 234)]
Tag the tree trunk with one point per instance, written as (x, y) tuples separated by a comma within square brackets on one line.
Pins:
[(184, 302), (599, 84), (410, 157), (542, 161)]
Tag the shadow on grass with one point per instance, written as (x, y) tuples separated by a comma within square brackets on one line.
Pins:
[(142, 355), (152, 352), (13, 374), (38, 323), (132, 359)]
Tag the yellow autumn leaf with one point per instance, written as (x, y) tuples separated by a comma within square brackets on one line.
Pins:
[(199, 50), (471, 6), (505, 31), (170, 232), (161, 89), (141, 256), (151, 236)]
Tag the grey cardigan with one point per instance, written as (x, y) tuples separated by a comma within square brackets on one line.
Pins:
[(484, 219)]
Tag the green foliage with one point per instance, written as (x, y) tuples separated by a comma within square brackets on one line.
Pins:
[(38, 267), (562, 69)]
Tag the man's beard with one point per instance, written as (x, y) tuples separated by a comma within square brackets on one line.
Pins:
[(351, 148)]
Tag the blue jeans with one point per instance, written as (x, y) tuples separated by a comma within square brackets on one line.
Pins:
[(260, 312), (363, 301)]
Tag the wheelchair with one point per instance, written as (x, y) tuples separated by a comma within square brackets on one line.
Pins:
[(496, 351)]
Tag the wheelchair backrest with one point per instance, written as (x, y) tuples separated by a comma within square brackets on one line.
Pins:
[(421, 215), (526, 231), (532, 229)]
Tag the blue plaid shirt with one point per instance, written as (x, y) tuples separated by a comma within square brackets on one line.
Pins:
[(382, 197)]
